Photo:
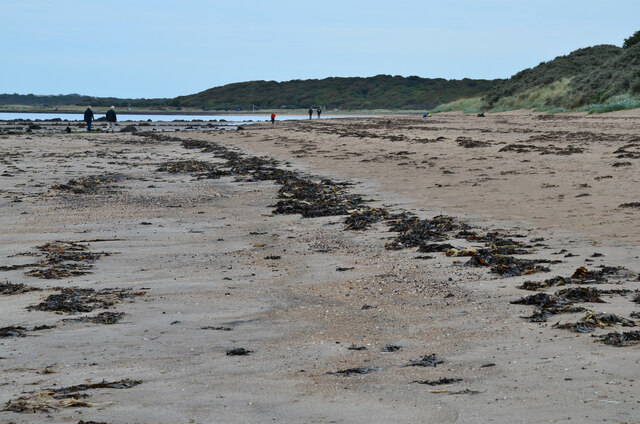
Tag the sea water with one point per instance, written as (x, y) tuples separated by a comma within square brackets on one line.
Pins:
[(12, 116)]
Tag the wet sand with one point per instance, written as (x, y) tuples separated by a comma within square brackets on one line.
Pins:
[(209, 268)]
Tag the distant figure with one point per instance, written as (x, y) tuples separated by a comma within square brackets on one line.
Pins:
[(273, 118), (68, 129), (111, 119), (88, 117), (310, 113), (426, 115), (319, 112)]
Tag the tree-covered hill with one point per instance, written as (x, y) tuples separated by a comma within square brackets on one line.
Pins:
[(379, 92)]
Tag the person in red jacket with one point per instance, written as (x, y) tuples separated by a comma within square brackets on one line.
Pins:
[(273, 118)]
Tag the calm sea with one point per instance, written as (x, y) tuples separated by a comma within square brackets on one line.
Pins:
[(10, 116)]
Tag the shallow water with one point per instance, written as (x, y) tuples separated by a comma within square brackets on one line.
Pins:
[(11, 116)]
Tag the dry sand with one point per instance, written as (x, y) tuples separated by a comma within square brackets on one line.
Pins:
[(299, 292)]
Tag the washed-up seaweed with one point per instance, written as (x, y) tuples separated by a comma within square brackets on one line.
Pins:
[(630, 205), (622, 339), (435, 247), (547, 305), (443, 380), (200, 169), (536, 285), (106, 318), (7, 288), (390, 348), (88, 185), (312, 199), (543, 150), (584, 275), (12, 331), (468, 143), (63, 259), (506, 266), (216, 328), (74, 300), (65, 397), (591, 321), (349, 372), (238, 351), (425, 361), (414, 232), (361, 219)]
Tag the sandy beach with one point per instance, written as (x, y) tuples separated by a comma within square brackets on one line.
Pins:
[(169, 276)]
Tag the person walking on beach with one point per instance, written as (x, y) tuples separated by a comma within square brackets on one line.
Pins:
[(319, 112), (111, 119), (88, 117), (273, 118), (310, 112)]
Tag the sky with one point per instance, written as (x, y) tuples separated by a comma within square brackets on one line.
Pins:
[(167, 48)]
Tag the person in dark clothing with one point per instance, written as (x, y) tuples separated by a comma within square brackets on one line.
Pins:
[(111, 119), (273, 118), (319, 112), (88, 117), (310, 113)]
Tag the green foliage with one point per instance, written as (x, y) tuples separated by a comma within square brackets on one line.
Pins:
[(621, 102), (634, 39), (470, 105), (379, 92), (77, 100)]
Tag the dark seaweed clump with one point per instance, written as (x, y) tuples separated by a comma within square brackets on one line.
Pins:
[(106, 318), (414, 232), (506, 266), (74, 300), (444, 380), (596, 320), (315, 199), (88, 185), (64, 397), (362, 219), (425, 361), (7, 288), (63, 259), (626, 338), (349, 372)]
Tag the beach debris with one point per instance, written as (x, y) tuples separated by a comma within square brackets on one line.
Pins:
[(435, 247), (441, 381), (238, 351), (460, 252), (106, 318), (630, 205), (200, 169), (390, 348), (12, 331), (621, 339), (536, 285), (585, 276), (354, 347), (216, 328), (315, 199), (593, 320), (88, 185), (506, 266), (361, 219), (62, 259), (465, 392), (425, 361), (414, 232), (7, 288), (73, 300), (350, 372), (543, 150), (468, 143), (129, 129), (65, 397)]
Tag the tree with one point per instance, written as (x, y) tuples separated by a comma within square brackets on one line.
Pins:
[(634, 39)]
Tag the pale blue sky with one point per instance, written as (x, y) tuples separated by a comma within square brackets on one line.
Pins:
[(165, 48)]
